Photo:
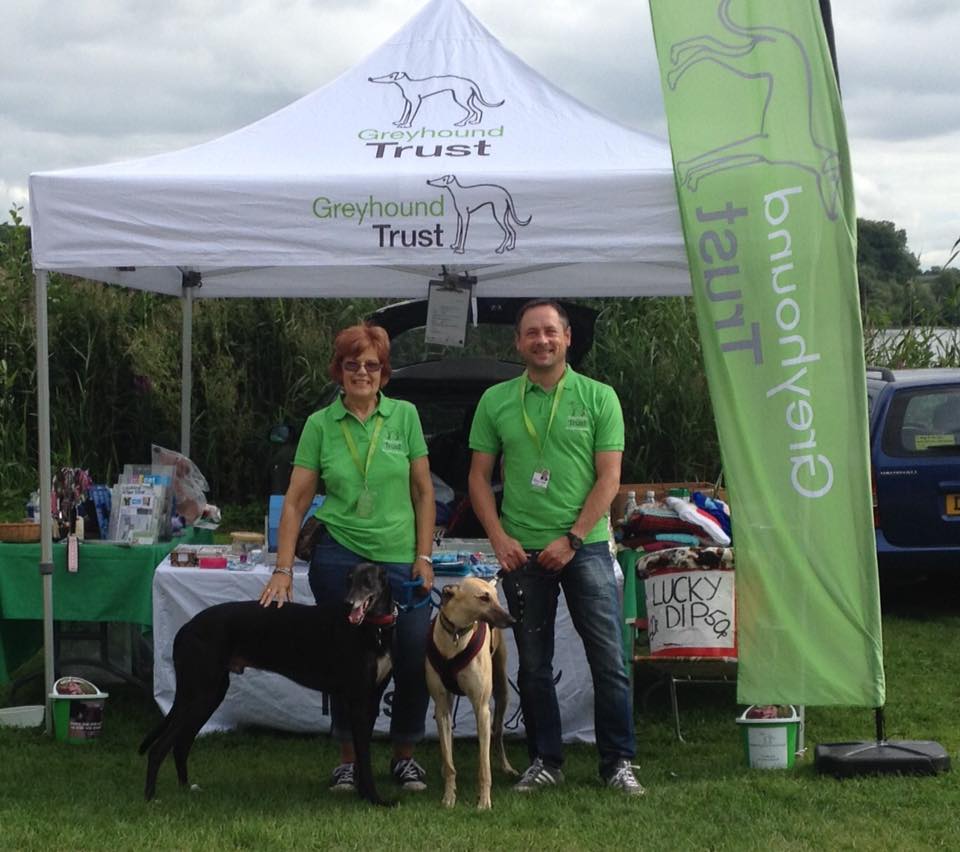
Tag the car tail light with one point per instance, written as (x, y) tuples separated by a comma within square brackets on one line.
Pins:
[(873, 493)]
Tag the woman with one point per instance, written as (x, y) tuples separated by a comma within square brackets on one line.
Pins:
[(378, 507)]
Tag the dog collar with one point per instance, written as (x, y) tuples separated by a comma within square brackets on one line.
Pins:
[(452, 629), (383, 620)]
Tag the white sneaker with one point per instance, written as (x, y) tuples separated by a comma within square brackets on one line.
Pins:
[(624, 779)]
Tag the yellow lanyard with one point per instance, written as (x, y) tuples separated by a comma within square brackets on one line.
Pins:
[(531, 429), (355, 453)]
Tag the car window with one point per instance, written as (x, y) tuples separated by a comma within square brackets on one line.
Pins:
[(923, 422), (484, 341)]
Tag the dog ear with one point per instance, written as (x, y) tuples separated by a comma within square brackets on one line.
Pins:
[(448, 592)]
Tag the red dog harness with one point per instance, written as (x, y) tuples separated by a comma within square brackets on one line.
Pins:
[(448, 669)]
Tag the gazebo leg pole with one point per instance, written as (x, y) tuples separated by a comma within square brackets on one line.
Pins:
[(186, 381), (43, 469)]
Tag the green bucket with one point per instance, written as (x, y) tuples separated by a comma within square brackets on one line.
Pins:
[(770, 743), (77, 707)]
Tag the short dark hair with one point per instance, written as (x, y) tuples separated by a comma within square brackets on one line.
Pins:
[(541, 303)]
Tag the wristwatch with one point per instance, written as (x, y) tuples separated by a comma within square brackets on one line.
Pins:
[(575, 541)]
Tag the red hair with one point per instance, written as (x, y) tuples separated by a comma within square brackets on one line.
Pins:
[(351, 341)]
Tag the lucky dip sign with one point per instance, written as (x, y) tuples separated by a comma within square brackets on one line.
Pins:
[(690, 602)]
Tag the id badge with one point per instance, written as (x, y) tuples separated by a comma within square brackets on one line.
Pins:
[(365, 504), (540, 480)]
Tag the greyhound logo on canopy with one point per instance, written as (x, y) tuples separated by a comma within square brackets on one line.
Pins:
[(415, 90), (468, 199), (785, 106)]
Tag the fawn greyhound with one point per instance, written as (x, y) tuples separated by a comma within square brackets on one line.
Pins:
[(464, 657)]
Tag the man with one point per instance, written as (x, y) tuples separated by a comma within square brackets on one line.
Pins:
[(561, 435)]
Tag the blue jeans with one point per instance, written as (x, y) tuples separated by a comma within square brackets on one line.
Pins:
[(328, 582), (590, 589)]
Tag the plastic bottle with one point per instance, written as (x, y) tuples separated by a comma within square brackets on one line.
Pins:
[(630, 506), (33, 507)]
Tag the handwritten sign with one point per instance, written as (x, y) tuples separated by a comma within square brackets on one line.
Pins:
[(691, 613)]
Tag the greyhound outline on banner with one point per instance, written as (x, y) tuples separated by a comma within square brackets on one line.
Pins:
[(464, 92), (780, 107), (467, 199)]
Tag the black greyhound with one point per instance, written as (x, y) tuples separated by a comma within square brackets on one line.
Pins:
[(340, 649)]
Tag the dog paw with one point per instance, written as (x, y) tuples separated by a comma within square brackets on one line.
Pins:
[(484, 805), (196, 788), (449, 801)]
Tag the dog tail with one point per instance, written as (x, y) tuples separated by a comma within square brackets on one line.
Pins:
[(479, 97), (152, 737), (517, 219)]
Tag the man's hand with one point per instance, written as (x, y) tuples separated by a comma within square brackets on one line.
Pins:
[(556, 554), (509, 552)]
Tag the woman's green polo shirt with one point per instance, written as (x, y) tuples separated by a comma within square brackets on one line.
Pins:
[(389, 533), (588, 420)]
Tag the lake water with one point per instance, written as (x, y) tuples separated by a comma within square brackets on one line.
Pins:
[(941, 341)]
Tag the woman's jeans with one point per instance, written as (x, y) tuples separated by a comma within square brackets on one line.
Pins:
[(328, 581), (592, 597)]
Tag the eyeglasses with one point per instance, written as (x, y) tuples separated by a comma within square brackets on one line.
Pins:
[(369, 366)]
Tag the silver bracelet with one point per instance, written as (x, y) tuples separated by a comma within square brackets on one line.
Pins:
[(288, 572), (424, 556)]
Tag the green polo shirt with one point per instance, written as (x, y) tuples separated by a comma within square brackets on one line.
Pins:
[(588, 420), (389, 534)]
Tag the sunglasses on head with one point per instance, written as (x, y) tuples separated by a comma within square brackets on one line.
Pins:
[(369, 366)]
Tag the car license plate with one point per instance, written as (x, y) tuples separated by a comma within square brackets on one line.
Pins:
[(953, 504)]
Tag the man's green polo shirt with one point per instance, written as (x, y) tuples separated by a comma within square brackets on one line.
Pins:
[(389, 534), (588, 420)]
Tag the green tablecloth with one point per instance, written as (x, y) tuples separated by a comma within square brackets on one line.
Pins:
[(113, 583)]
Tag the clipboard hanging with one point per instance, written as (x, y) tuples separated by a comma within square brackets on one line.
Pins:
[(449, 301)]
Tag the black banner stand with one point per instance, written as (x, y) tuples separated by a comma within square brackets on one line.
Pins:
[(883, 757)]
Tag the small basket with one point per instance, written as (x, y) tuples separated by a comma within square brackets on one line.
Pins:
[(19, 532)]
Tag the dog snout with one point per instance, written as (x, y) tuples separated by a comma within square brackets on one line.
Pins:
[(499, 617)]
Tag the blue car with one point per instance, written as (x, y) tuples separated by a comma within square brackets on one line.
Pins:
[(915, 460)]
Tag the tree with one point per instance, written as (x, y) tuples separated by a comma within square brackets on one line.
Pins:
[(887, 272)]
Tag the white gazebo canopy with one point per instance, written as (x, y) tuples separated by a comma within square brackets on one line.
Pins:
[(362, 186)]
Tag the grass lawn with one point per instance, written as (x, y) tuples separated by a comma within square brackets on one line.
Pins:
[(266, 790)]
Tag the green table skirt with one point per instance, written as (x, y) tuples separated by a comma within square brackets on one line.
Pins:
[(113, 583)]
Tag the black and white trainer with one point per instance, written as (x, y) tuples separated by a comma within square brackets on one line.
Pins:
[(538, 776), (409, 774), (623, 779), (342, 780)]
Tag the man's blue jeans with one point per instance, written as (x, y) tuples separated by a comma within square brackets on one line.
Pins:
[(592, 597), (328, 582)]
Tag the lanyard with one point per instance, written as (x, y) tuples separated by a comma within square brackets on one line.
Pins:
[(355, 453), (531, 430)]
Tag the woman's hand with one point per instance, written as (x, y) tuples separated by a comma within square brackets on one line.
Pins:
[(279, 589), (423, 569)]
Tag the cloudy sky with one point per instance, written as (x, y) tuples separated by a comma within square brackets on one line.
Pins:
[(91, 81)]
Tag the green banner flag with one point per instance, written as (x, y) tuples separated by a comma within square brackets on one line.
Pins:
[(764, 184)]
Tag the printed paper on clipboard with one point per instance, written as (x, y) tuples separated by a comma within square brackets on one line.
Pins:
[(447, 311)]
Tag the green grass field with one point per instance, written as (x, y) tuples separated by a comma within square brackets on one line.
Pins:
[(266, 790)]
